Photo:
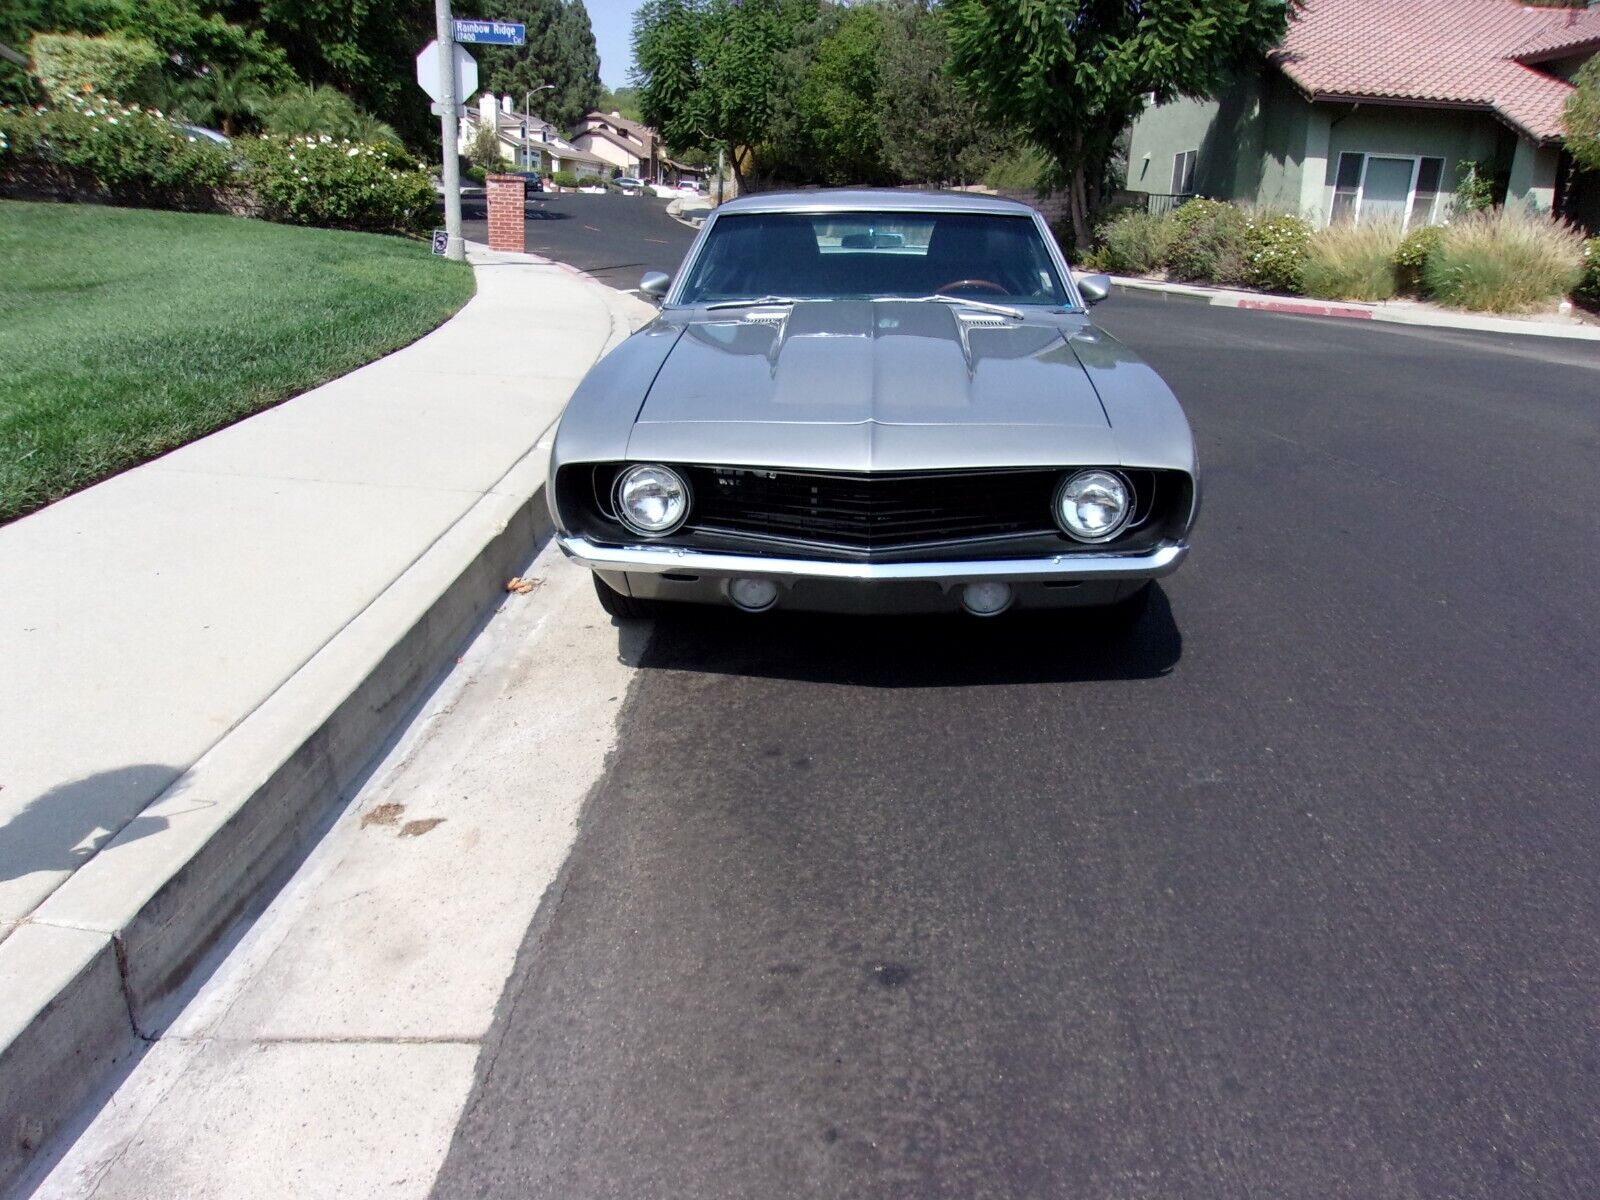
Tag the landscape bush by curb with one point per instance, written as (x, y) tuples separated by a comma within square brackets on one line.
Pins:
[(1412, 256), (1587, 292), (1212, 243), (1353, 262), (1501, 261), (1135, 243), (1277, 247)]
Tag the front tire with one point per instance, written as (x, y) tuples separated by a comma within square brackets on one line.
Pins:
[(626, 608)]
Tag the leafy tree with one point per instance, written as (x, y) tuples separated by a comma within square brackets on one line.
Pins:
[(365, 48), (932, 132), (1071, 74), (709, 71), (560, 50), (484, 148), (836, 106), (1581, 119), (75, 64), (623, 101)]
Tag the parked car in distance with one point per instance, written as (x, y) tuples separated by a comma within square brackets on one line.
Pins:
[(629, 183), (874, 402), (532, 181)]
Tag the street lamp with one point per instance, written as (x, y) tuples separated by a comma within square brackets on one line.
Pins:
[(527, 123)]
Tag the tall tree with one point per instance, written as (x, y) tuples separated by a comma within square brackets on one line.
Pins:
[(932, 131), (836, 104), (1071, 74), (709, 71), (1581, 119), (559, 50)]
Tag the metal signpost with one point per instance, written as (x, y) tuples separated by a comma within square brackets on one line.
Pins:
[(490, 33), (448, 74)]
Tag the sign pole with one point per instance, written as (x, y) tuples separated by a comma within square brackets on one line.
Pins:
[(449, 132)]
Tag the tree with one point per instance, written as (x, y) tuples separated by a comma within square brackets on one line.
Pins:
[(484, 148), (1072, 74), (932, 132), (709, 71), (1581, 118), (624, 101), (836, 105), (559, 50)]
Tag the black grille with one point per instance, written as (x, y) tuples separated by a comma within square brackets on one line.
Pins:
[(872, 511)]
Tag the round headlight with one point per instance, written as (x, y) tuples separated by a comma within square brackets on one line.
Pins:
[(652, 499), (1093, 506)]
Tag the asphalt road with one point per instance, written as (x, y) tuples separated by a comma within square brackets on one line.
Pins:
[(615, 238), (1290, 893)]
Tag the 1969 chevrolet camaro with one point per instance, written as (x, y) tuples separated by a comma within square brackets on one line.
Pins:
[(873, 402)]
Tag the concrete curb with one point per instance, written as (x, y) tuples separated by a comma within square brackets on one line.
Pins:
[(98, 970), (1394, 314)]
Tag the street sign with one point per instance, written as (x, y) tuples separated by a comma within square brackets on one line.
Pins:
[(490, 33), (441, 241), (428, 72)]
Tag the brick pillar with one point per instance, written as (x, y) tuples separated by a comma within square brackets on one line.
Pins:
[(507, 223)]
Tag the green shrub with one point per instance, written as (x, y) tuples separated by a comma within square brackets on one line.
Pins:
[(1505, 261), (564, 179), (323, 110), (1352, 262), (484, 148), (1277, 246), (1475, 188), (1212, 243), (1413, 253), (129, 155), (478, 175), (338, 184), (74, 66), (1136, 243), (590, 181), (1587, 292)]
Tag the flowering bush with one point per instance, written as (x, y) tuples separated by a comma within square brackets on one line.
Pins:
[(1412, 256), (1588, 290), (1276, 246), (1212, 243), (130, 154), (337, 183)]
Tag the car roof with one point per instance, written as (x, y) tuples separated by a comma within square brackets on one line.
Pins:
[(874, 200)]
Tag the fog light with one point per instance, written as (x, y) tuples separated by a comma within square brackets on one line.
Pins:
[(986, 599), (753, 595)]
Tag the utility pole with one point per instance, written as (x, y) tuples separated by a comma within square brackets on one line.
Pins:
[(449, 131)]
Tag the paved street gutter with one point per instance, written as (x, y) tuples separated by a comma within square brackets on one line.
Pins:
[(96, 968)]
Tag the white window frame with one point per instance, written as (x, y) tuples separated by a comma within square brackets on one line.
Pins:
[(1185, 172), (1411, 189)]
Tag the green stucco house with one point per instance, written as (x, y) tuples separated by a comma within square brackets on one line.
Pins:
[(1373, 108)]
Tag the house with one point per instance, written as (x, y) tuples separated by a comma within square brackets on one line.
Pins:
[(631, 148), (1372, 108), (528, 142)]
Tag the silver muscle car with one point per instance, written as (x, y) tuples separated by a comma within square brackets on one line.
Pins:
[(873, 402)]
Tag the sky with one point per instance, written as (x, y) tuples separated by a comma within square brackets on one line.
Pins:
[(613, 34)]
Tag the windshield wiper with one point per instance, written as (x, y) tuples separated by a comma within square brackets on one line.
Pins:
[(944, 297), (753, 303)]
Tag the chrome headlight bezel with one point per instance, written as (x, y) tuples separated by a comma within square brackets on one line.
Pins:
[(1102, 475), (665, 474)]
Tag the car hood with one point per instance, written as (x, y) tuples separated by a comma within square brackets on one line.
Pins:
[(872, 385)]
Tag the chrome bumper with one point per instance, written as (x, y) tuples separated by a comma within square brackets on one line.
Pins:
[(1083, 565)]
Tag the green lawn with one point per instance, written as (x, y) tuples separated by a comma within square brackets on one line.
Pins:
[(126, 333)]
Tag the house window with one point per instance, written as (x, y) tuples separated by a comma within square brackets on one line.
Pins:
[(1395, 187), (1183, 172)]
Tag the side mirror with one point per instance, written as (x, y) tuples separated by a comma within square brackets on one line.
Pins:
[(1094, 288), (654, 285)]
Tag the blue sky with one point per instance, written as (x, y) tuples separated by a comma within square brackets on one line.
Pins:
[(613, 34)]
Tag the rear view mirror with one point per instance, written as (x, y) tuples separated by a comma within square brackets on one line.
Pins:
[(1094, 288), (654, 285)]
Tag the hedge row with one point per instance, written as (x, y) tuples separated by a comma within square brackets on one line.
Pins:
[(122, 154), (1502, 261)]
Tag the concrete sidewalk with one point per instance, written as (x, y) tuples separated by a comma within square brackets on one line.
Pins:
[(203, 652), (1399, 312)]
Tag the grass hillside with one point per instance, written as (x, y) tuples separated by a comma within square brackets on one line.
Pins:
[(126, 333)]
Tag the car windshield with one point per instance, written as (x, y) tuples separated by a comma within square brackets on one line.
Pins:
[(987, 256)]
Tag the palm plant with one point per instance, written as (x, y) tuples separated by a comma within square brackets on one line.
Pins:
[(323, 109)]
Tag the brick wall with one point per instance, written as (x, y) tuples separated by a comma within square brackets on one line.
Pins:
[(507, 224)]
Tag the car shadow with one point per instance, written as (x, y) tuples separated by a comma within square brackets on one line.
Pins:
[(1057, 646)]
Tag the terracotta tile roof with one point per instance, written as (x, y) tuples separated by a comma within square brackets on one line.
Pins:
[(1580, 30), (1443, 52)]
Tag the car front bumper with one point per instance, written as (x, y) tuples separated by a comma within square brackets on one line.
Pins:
[(830, 585)]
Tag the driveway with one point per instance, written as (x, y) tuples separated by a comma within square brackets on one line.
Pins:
[(1292, 893)]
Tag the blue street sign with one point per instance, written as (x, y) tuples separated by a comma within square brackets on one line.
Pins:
[(490, 33)]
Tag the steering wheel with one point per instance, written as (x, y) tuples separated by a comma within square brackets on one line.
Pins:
[(990, 284)]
